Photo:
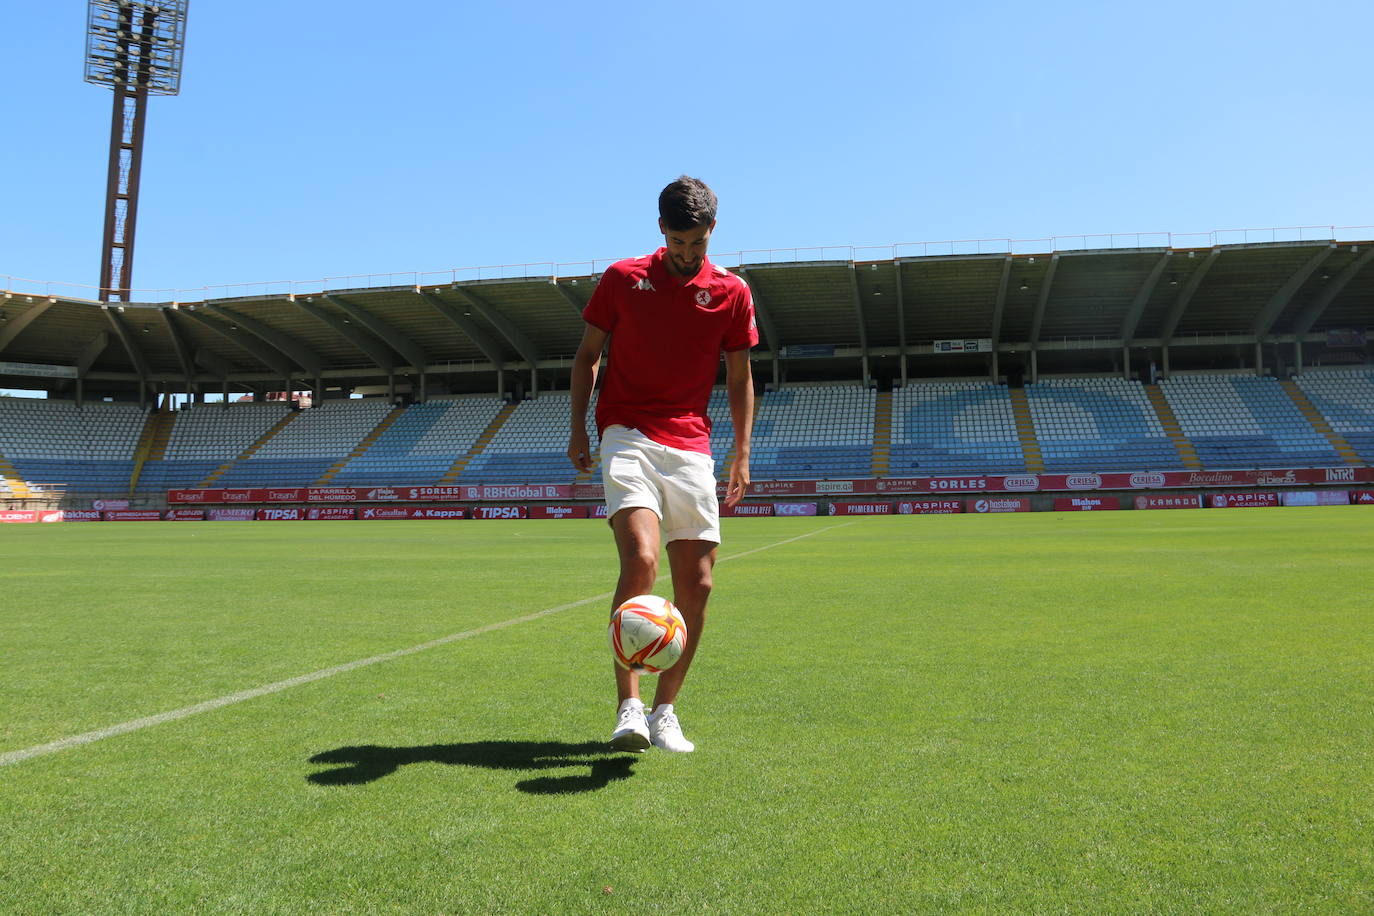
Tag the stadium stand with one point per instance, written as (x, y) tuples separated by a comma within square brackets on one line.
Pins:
[(953, 427), (206, 436), (814, 431), (1098, 424), (1243, 421), (531, 446), (303, 450), (55, 445), (422, 443), (1345, 398)]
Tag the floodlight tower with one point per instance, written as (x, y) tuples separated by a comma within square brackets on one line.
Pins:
[(134, 47)]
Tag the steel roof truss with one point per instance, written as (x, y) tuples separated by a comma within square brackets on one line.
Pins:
[(16, 326), (135, 354), (484, 342), (761, 312), (408, 349), (369, 346), (522, 344), (268, 356), (179, 342), (1309, 315), (1041, 302), (1264, 321), (91, 353), (1185, 297), (1142, 297), (289, 346)]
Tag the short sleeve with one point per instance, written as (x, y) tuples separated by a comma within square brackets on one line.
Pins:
[(743, 332), (601, 308)]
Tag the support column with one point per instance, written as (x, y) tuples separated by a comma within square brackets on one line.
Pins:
[(1164, 360), (1297, 354), (1035, 367), (391, 388), (1259, 358), (1126, 363), (993, 379)]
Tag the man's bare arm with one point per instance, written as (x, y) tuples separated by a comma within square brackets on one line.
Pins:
[(739, 389), (584, 369)]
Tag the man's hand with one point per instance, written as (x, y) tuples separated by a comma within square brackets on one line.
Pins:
[(739, 480), (580, 450)]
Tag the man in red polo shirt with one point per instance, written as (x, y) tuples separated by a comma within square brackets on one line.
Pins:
[(669, 316)]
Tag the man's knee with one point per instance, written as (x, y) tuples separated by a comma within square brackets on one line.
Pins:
[(640, 563)]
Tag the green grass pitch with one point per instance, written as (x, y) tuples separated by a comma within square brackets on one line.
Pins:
[(1097, 712)]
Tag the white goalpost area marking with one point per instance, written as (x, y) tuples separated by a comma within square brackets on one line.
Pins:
[(172, 715)]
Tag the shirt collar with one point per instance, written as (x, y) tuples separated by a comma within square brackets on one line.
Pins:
[(702, 278)]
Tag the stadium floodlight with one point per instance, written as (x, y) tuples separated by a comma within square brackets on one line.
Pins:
[(135, 48)]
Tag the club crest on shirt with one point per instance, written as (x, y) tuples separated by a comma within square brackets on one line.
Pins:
[(703, 297)]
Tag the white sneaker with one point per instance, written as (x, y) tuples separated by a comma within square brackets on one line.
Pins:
[(666, 733), (631, 730)]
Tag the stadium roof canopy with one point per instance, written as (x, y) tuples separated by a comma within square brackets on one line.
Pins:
[(1276, 305)]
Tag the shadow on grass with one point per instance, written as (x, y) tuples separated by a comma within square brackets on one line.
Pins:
[(370, 762)]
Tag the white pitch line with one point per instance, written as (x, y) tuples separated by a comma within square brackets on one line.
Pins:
[(172, 715)]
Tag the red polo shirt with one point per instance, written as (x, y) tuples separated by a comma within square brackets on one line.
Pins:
[(666, 341)]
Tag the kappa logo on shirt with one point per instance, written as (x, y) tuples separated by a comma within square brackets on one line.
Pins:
[(703, 297), (644, 284)]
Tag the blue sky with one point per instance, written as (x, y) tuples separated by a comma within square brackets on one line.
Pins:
[(429, 135)]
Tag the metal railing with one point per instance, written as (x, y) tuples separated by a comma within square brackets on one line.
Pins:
[(552, 270)]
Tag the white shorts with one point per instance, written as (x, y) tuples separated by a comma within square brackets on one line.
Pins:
[(678, 485)]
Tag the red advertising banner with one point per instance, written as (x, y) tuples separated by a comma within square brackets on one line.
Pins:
[(1086, 503), (1243, 500), (930, 507), (999, 504), (18, 516), (794, 509), (599, 511), (433, 512), (1168, 502), (331, 514), (184, 515), (558, 512), (850, 508), (331, 494), (1362, 497), (283, 514), (69, 515), (1316, 498), (996, 483), (282, 495), (501, 512), (383, 512), (132, 515), (230, 515), (745, 510)]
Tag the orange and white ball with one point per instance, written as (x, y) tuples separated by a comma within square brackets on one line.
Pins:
[(647, 634)]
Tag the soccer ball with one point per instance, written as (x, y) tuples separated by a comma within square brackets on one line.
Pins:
[(647, 634)]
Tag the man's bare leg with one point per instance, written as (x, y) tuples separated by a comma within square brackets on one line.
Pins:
[(691, 563), (636, 539)]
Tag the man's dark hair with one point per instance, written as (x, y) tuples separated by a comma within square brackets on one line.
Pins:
[(686, 204)]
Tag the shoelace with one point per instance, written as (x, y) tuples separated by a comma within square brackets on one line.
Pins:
[(626, 715), (667, 720)]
